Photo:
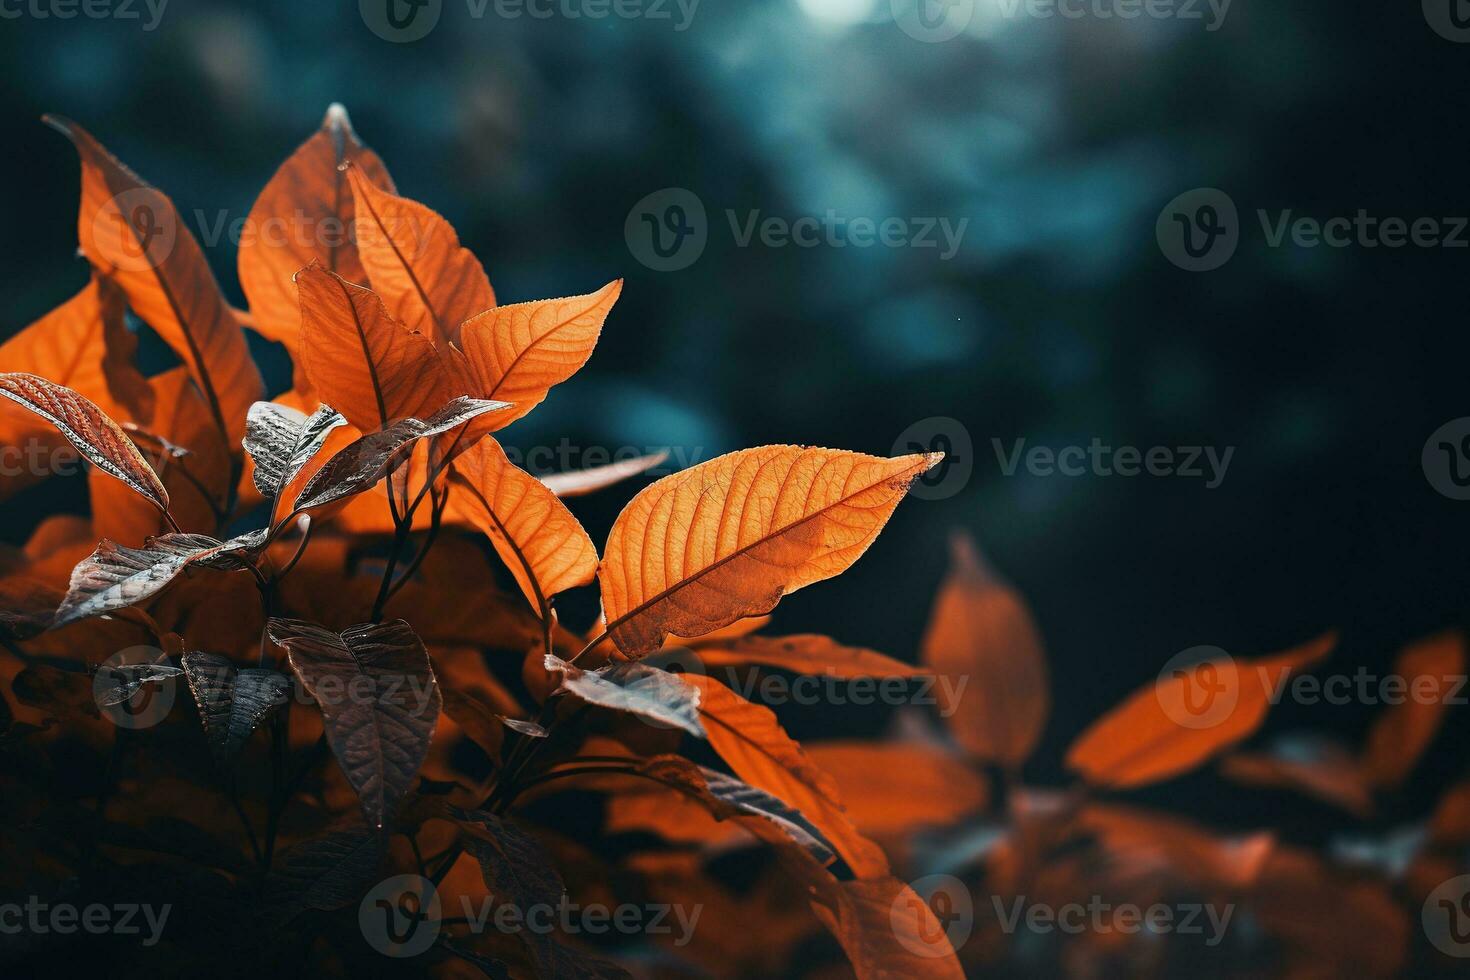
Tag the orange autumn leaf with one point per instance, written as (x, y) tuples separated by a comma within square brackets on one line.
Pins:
[(728, 538), (415, 262), (886, 928), (755, 746), (1184, 718), (1432, 672), (362, 361), (518, 352), (899, 788), (131, 232), (539, 540), (305, 215), (197, 483), (806, 653), (981, 637)]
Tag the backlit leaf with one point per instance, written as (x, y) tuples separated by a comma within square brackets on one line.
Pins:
[(415, 262), (728, 538), (305, 215), (518, 352), (753, 743), (807, 653), (362, 361), (539, 540), (1181, 720), (131, 232), (982, 639)]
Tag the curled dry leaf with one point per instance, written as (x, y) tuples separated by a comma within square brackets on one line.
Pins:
[(414, 260), (281, 440), (232, 701), (114, 577), (725, 797), (305, 215), (539, 540), (753, 743), (728, 538), (131, 232), (379, 702), (653, 694), (363, 463), (517, 353), (981, 637), (97, 437)]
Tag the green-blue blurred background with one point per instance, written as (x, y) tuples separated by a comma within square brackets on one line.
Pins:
[(1058, 320)]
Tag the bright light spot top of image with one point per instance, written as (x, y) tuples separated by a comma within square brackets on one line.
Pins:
[(839, 13)]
